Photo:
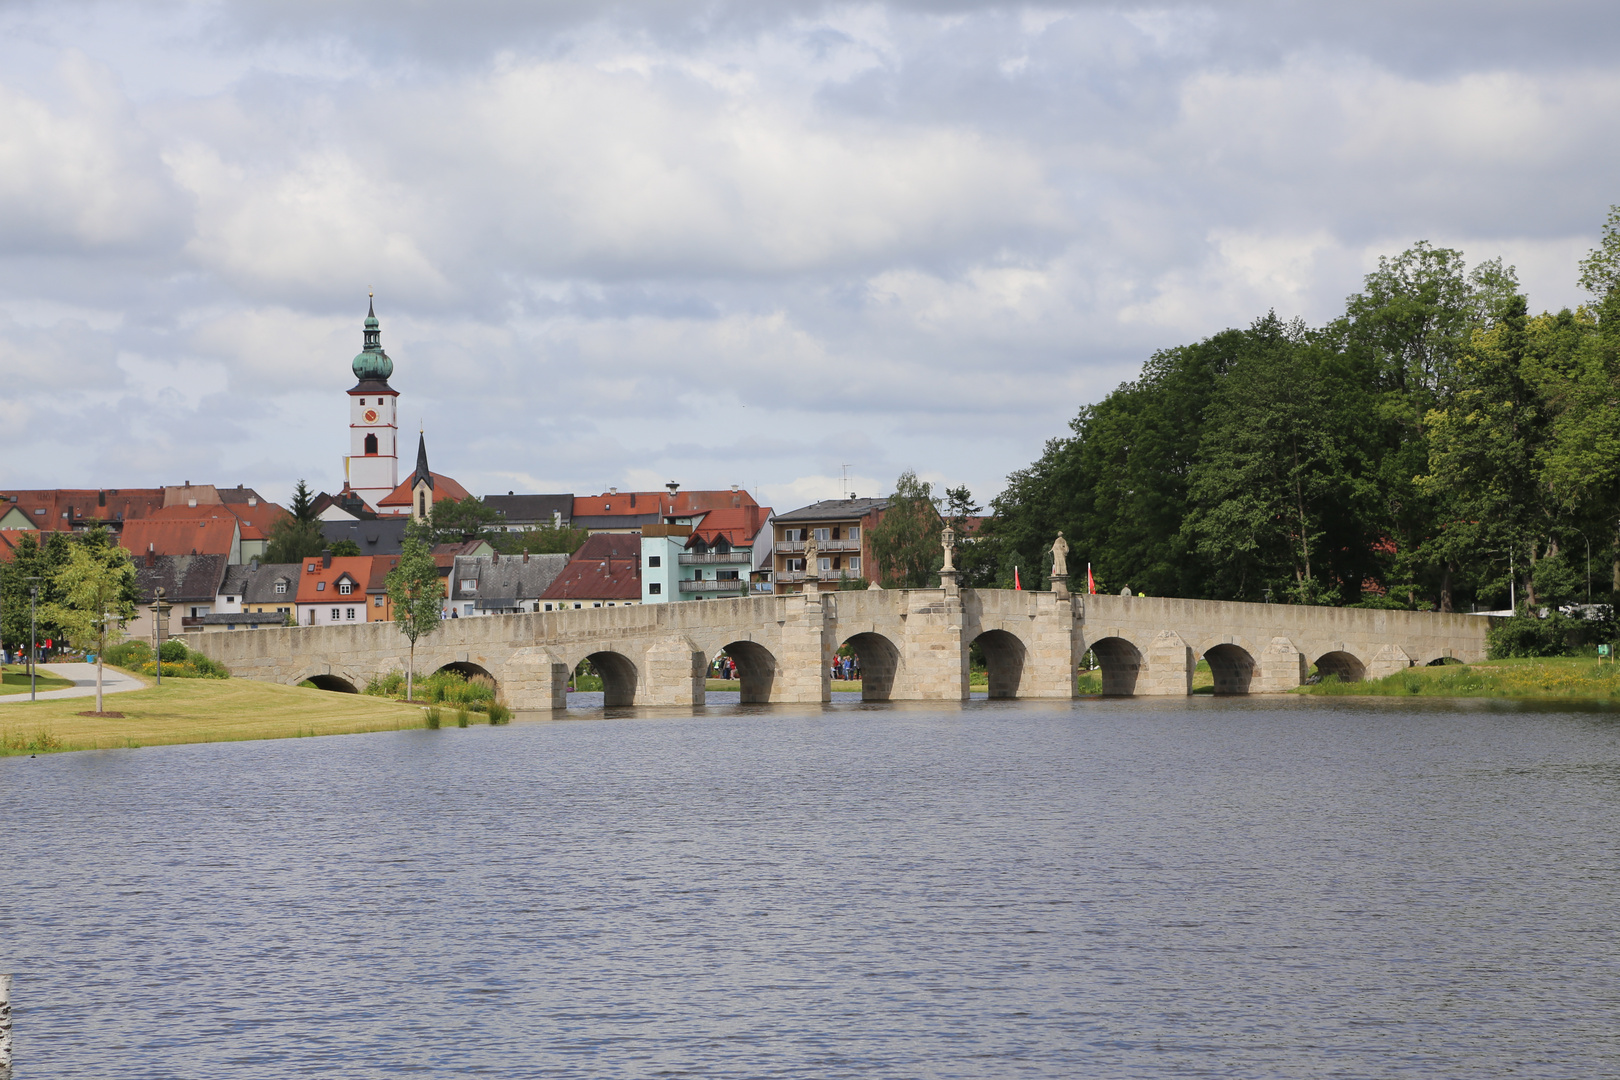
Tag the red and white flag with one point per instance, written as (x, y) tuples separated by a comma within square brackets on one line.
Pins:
[(1091, 582), (1016, 583)]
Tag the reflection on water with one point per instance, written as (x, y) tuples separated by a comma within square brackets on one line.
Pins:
[(1104, 888)]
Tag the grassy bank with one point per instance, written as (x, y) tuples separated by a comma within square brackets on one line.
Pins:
[(1572, 678), (195, 711), (15, 681)]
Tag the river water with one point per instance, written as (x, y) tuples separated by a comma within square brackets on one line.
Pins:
[(1138, 888)]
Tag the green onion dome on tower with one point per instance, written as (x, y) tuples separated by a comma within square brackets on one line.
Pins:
[(372, 364)]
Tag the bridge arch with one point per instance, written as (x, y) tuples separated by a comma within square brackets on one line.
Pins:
[(1121, 663), (1004, 655), (1347, 666), (469, 671), (880, 663), (327, 681), (756, 670), (620, 679), (1232, 666)]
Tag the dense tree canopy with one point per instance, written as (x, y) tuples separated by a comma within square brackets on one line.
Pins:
[(1418, 449)]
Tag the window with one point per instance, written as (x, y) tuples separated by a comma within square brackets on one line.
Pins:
[(334, 614), (825, 564), (854, 533), (823, 535), (320, 586), (371, 445), (466, 609), (655, 560), (795, 565), (310, 569), (793, 536), (469, 584), (348, 613), (378, 603), (855, 564), (283, 610), (281, 586), (362, 401), (345, 588), (40, 511), (598, 603), (548, 607), (577, 605), (725, 575), (656, 588)]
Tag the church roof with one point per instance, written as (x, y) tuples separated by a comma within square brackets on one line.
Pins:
[(443, 488)]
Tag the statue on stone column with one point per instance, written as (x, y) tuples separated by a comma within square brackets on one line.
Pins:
[(810, 552), (947, 540), (1060, 557)]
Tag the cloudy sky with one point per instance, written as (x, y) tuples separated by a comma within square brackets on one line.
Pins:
[(717, 243)]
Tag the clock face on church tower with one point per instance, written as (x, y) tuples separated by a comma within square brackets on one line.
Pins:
[(371, 416)]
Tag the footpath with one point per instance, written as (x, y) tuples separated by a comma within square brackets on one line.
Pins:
[(83, 676)]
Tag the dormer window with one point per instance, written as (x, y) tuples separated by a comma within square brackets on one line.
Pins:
[(281, 586), (345, 588)]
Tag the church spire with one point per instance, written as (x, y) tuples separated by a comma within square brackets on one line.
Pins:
[(372, 364), (422, 475)]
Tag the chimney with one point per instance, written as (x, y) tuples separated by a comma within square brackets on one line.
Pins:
[(525, 556), (101, 498), (494, 557), (326, 558), (613, 491)]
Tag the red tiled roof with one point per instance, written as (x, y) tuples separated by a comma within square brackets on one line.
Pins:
[(381, 565), (739, 525), (256, 521), (660, 502), (443, 488), (191, 536), (60, 509), (597, 579), (357, 568), (611, 546)]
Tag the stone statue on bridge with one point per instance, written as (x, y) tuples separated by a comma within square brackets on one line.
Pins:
[(1060, 557), (810, 552)]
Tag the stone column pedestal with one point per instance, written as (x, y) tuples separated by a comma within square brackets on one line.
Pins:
[(1060, 586)]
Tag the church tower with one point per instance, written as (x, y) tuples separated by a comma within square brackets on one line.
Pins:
[(372, 467)]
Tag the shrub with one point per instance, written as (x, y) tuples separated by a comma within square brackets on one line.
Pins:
[(499, 714), (1527, 636), (196, 666), (128, 654), (463, 717), (173, 652), (389, 685), (433, 716)]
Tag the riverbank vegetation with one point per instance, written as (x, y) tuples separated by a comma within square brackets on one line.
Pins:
[(441, 688), (197, 711), (1568, 678), (1435, 446)]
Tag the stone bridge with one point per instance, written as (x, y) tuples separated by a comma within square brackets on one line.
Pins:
[(913, 644)]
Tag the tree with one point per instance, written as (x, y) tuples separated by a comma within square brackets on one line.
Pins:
[(96, 586), (455, 521), (345, 549), (545, 540), (906, 540), (293, 539), (303, 503), (32, 559), (417, 593)]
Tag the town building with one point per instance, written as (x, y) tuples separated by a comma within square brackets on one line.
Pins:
[(496, 584), (332, 591), (710, 554), (840, 528), (604, 572), (520, 512), (373, 536), (190, 585), (76, 509), (270, 588), (146, 538), (627, 512)]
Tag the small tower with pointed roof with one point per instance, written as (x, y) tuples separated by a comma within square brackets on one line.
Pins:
[(421, 482), (372, 468)]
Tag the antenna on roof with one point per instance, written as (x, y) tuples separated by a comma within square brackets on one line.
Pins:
[(845, 492)]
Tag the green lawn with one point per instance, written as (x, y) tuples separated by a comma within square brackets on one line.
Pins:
[(15, 681), (197, 710), (1564, 677)]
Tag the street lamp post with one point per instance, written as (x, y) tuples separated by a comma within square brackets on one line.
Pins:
[(33, 641)]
